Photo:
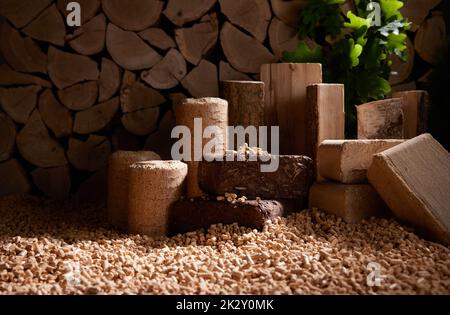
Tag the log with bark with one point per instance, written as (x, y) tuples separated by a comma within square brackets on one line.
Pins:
[(415, 106), (245, 102), (381, 119)]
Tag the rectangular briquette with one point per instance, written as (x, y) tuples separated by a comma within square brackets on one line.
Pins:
[(413, 178), (347, 161), (291, 180), (352, 203), (187, 215)]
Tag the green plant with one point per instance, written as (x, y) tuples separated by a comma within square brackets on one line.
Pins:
[(353, 49)]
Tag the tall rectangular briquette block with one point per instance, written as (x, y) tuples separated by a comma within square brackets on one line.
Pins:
[(325, 115), (285, 102)]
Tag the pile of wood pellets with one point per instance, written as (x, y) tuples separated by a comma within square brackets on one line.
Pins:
[(48, 248)]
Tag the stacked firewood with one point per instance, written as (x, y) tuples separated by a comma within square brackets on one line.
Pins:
[(71, 96), (425, 41)]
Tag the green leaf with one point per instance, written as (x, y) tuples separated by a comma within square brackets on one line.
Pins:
[(355, 52), (391, 8), (336, 2), (356, 22), (396, 43), (304, 54)]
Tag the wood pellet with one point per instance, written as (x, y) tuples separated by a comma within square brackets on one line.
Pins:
[(57, 252)]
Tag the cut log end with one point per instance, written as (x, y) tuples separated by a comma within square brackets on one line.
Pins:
[(252, 15), (128, 50), (90, 155), (202, 81), (95, 118), (57, 118), (19, 103), (196, 42), (181, 12), (249, 59), (168, 72), (142, 122), (21, 53), (109, 82), (156, 37), (37, 146), (133, 15), (66, 69), (139, 96), (49, 27), (80, 96), (89, 39)]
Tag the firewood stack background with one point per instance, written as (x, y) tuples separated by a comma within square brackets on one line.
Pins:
[(71, 96)]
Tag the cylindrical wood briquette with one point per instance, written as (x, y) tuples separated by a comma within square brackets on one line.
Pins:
[(153, 187), (213, 112), (118, 176)]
